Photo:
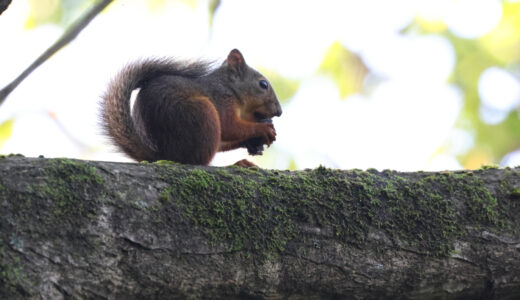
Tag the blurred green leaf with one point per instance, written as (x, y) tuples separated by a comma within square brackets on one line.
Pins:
[(155, 5), (6, 128), (43, 11), (497, 48), (503, 41), (59, 12), (346, 68), (158, 5), (492, 141), (213, 5), (293, 165), (190, 3), (431, 25)]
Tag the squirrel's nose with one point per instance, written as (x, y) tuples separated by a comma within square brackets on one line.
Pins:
[(278, 111)]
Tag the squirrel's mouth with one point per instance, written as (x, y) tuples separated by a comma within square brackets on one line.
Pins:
[(259, 116)]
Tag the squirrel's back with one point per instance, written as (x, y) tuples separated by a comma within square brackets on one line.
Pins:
[(116, 115)]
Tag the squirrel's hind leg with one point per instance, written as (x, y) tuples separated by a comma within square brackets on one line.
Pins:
[(245, 163), (182, 128), (196, 136)]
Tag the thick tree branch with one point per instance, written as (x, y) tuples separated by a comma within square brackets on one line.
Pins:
[(79, 229)]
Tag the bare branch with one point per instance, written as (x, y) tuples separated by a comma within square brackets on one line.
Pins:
[(66, 38)]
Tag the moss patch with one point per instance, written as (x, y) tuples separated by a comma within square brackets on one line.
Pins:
[(263, 214), (223, 209), (70, 184), (12, 275), (67, 193), (61, 200), (162, 162)]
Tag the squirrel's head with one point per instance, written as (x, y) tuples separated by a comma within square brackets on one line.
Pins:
[(257, 98)]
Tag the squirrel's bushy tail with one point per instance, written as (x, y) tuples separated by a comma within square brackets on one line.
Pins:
[(116, 112)]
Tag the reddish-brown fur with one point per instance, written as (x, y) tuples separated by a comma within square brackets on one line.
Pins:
[(186, 112)]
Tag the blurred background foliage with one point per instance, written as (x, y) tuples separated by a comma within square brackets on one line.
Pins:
[(59, 12), (494, 131), (6, 128), (498, 48)]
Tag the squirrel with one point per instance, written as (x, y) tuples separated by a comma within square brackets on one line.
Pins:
[(187, 111)]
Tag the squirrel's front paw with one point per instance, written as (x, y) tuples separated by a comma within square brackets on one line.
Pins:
[(267, 135), (268, 132)]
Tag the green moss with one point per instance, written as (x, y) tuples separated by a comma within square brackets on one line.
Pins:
[(10, 155), (348, 206), (63, 198), (223, 209), (489, 167), (162, 162), (482, 205), (224, 173), (65, 192), (265, 214), (508, 206), (69, 184), (419, 215), (12, 274)]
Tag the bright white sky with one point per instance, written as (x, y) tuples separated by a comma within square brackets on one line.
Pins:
[(400, 125)]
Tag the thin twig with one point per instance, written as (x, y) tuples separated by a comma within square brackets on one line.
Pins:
[(66, 38)]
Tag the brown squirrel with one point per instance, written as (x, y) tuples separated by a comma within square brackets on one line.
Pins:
[(186, 112)]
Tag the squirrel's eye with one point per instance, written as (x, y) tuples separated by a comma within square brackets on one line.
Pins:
[(263, 84)]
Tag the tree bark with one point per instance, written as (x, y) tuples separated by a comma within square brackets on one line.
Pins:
[(82, 229)]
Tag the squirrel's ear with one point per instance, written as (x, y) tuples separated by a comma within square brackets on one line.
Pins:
[(236, 61)]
